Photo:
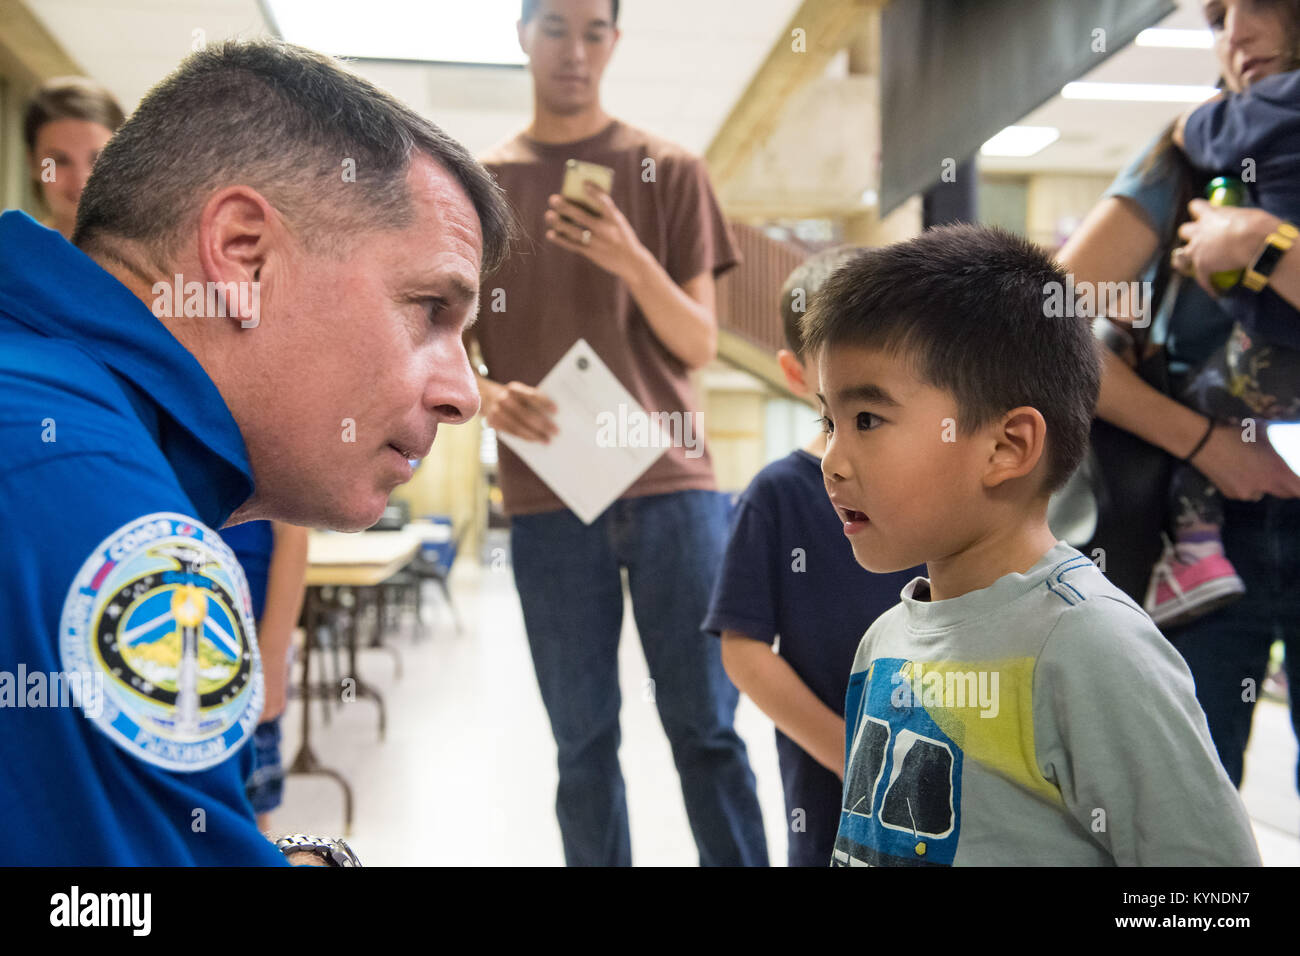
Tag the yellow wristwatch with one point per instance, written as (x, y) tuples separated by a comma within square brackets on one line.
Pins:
[(1277, 243)]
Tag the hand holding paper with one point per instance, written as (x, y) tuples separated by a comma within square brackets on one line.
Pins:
[(586, 472), (522, 411)]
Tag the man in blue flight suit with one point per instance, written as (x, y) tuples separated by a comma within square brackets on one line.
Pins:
[(260, 316)]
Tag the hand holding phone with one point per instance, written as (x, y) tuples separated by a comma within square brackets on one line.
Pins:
[(577, 174)]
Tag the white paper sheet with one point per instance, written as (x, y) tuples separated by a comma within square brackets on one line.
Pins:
[(591, 461)]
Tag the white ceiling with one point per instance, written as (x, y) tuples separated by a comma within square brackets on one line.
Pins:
[(680, 67)]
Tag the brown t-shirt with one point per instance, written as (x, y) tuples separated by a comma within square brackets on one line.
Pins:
[(553, 297)]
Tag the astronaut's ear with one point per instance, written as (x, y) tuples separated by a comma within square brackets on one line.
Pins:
[(236, 229)]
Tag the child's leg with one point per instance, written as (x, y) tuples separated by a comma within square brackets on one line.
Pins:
[(1241, 380), (1244, 379), (1197, 510), (1193, 577)]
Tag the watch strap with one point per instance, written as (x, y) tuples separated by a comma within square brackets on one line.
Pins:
[(1275, 246)]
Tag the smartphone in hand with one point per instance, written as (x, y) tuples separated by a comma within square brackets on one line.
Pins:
[(576, 174)]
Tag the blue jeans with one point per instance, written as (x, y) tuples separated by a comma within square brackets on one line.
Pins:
[(569, 586), (1227, 648), (265, 785)]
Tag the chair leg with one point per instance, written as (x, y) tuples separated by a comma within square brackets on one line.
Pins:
[(451, 606), (419, 610), (325, 641), (398, 606), (380, 603)]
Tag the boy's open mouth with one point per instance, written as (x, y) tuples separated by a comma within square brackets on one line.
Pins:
[(854, 520)]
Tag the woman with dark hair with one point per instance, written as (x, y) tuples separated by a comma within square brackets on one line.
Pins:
[(1148, 211), (66, 124)]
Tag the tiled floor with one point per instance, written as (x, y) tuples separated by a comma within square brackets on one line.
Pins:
[(467, 772)]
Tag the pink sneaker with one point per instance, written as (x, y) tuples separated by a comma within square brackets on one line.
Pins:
[(1180, 593)]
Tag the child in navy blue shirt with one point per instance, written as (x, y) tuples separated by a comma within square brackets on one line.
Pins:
[(1253, 135), (789, 577)]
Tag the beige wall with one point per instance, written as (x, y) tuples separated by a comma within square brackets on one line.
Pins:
[(14, 190), (1056, 200), (451, 482), (868, 229), (733, 422)]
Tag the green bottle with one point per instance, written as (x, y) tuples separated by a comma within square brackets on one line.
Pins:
[(1225, 191)]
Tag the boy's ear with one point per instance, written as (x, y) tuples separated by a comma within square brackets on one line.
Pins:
[(1019, 440), (793, 370)]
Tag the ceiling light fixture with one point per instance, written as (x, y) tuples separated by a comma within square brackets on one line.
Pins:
[(1176, 39), (1137, 92), (478, 32), (1021, 141)]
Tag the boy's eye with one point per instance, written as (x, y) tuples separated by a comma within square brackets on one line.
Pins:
[(866, 422)]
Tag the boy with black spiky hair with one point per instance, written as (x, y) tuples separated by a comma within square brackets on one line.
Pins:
[(1016, 708)]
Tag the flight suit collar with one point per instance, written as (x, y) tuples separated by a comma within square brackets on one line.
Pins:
[(53, 288)]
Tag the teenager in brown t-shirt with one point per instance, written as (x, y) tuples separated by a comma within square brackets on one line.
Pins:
[(637, 282)]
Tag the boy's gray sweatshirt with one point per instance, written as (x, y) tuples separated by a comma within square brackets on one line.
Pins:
[(1043, 720)]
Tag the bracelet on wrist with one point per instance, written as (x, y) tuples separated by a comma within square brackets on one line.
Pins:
[(1209, 429)]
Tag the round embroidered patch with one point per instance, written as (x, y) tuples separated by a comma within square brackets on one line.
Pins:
[(161, 610)]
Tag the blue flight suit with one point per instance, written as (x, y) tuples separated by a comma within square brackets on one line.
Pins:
[(129, 674)]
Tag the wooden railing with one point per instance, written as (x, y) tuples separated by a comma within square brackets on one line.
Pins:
[(749, 305)]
